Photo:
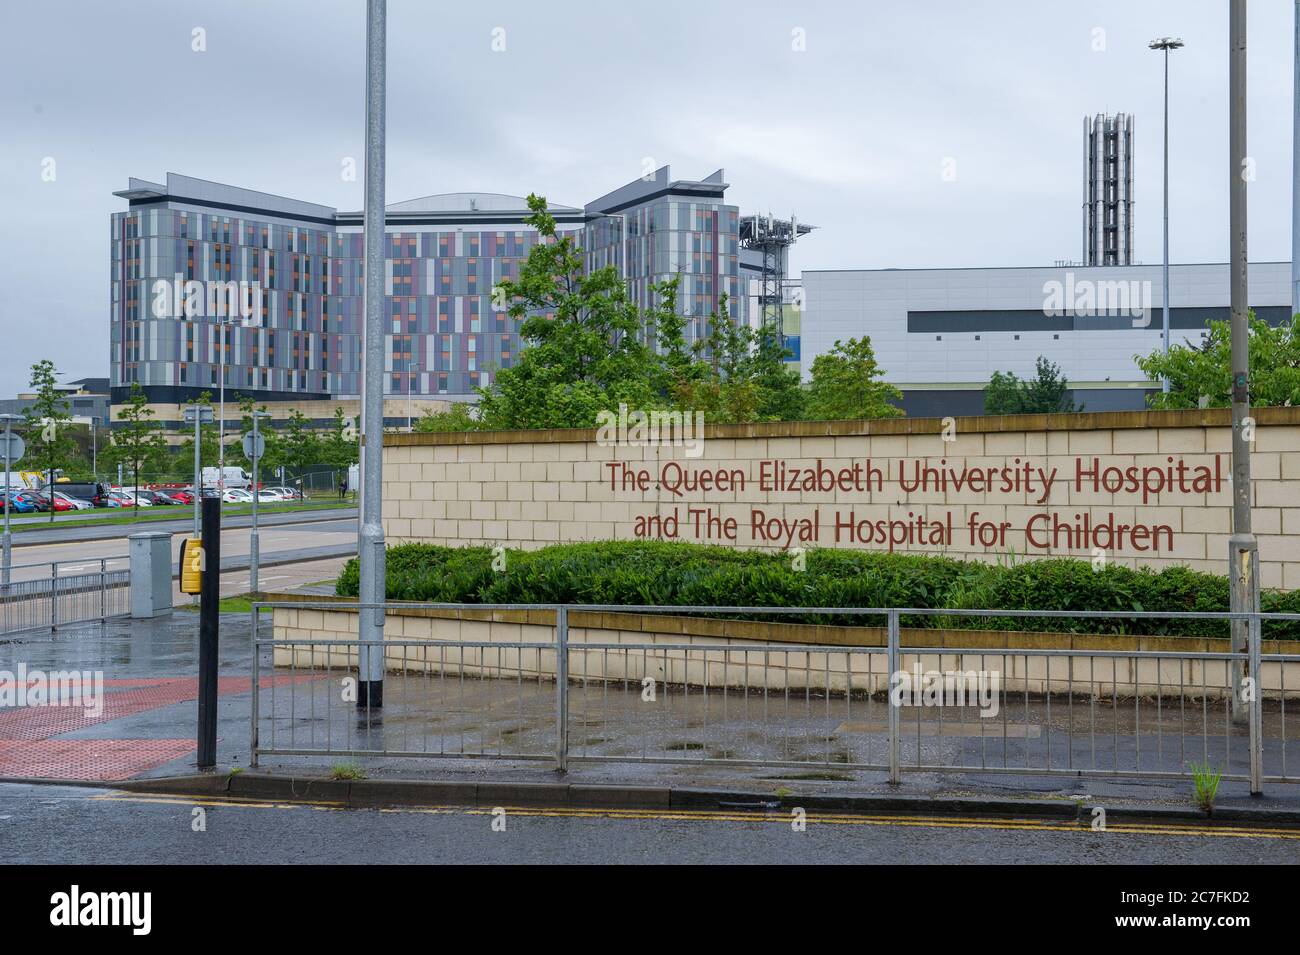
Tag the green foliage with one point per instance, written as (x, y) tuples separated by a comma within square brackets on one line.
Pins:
[(340, 446), (273, 455), (654, 572), (1045, 393), (455, 418), (844, 384), (583, 355), (138, 442), (1205, 780), (209, 446), (1203, 375), (49, 443), (299, 444)]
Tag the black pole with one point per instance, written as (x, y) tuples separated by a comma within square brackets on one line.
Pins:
[(209, 601)]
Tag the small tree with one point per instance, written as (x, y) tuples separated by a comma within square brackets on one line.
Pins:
[(583, 353), (138, 440), (844, 384), (209, 443), (1046, 393), (1202, 376), (48, 439), (340, 446), (273, 451), (300, 447)]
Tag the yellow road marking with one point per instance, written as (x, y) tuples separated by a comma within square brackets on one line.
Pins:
[(710, 815)]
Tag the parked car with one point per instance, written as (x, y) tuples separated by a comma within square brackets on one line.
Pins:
[(270, 495), (125, 498), (237, 495), (37, 500), (15, 504), (289, 493), (92, 491), (211, 494), (156, 498), (78, 504), (61, 502), (181, 495)]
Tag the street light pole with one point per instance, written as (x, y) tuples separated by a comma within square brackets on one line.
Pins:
[(1295, 171), (1166, 44), (370, 546), (221, 405), (1243, 548)]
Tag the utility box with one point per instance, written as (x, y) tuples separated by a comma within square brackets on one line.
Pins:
[(151, 573)]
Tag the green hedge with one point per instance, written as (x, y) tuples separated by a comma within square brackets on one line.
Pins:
[(699, 575)]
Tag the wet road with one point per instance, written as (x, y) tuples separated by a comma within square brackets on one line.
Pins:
[(79, 826)]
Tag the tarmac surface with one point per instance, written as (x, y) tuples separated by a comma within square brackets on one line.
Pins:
[(149, 717), (51, 824)]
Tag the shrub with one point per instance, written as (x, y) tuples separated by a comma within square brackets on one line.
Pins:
[(696, 575)]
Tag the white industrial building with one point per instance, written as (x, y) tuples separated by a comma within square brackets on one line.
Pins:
[(940, 334)]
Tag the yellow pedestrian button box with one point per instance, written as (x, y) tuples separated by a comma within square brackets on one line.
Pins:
[(192, 566)]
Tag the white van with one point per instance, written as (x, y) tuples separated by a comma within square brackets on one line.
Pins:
[(226, 478)]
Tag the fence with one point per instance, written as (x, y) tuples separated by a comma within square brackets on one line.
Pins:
[(665, 698), (49, 595)]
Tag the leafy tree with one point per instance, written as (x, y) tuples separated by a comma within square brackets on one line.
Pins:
[(49, 443), (583, 353), (138, 442), (844, 384), (455, 418), (209, 444), (273, 451), (1202, 376), (779, 396), (340, 446), (1045, 393), (300, 446)]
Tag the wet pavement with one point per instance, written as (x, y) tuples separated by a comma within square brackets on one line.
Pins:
[(480, 728)]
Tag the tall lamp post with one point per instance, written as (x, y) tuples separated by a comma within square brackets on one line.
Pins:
[(370, 549), (1295, 170), (1165, 44)]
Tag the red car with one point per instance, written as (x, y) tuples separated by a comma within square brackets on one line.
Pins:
[(183, 495)]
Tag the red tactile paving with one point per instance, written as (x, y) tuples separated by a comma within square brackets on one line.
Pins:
[(92, 759), (27, 746)]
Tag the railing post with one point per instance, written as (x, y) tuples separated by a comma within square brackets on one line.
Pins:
[(103, 615), (562, 688), (1256, 709), (252, 708), (54, 595), (893, 666)]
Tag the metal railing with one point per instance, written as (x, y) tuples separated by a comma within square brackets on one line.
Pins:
[(656, 697), (51, 594)]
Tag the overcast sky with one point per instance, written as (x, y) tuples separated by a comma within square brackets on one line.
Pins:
[(850, 133)]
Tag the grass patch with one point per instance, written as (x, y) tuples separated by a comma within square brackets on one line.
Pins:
[(227, 605), (1205, 781), (346, 772), (182, 512)]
